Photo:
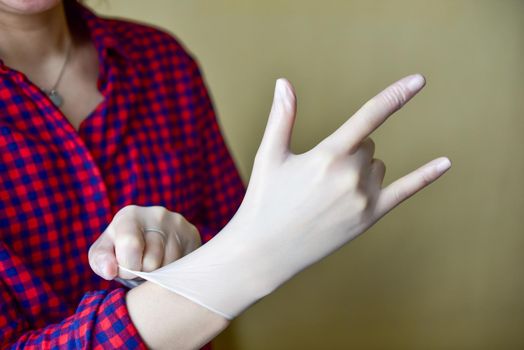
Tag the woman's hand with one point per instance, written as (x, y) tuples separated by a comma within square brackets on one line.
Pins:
[(298, 208), (143, 239), (310, 204)]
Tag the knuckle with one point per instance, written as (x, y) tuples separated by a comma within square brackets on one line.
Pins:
[(158, 213), (196, 234), (158, 209), (399, 194), (352, 180), (155, 239), (396, 96), (127, 210), (322, 167), (179, 216), (322, 157), (131, 243), (179, 219), (151, 262), (327, 148), (427, 178), (361, 201)]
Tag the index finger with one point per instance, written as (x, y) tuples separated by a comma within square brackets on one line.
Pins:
[(129, 245), (373, 113)]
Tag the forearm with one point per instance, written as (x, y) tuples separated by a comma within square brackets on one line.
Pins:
[(166, 320)]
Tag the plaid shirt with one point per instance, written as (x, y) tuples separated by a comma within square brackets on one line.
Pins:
[(153, 141)]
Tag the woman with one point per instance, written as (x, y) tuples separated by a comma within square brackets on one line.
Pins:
[(156, 142), (135, 126)]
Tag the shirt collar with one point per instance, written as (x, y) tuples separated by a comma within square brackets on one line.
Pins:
[(101, 31)]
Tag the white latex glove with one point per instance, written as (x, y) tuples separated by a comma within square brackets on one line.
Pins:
[(143, 239), (298, 208)]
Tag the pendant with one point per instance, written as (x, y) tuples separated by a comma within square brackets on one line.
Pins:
[(54, 97)]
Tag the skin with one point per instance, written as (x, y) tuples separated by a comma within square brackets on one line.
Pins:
[(33, 40), (127, 242), (34, 37)]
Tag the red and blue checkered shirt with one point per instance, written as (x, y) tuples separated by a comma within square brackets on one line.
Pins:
[(154, 140)]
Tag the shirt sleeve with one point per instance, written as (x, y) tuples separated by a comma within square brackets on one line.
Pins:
[(222, 186), (101, 320)]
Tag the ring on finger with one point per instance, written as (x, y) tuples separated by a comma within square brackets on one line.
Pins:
[(156, 230)]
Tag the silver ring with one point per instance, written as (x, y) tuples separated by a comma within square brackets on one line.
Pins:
[(159, 231)]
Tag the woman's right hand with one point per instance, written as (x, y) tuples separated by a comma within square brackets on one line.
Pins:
[(298, 208), (143, 239)]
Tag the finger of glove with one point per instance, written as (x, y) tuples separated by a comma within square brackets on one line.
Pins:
[(408, 185), (277, 135), (372, 114)]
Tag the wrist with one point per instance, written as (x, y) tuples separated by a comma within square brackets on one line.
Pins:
[(165, 319)]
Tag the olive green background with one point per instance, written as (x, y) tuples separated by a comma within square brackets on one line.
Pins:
[(442, 271)]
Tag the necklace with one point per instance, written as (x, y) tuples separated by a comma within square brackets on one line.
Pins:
[(52, 93)]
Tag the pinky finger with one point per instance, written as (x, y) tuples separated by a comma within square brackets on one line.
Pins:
[(408, 185)]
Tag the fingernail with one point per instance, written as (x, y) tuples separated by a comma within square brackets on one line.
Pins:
[(105, 271), (285, 95), (443, 165), (280, 90), (415, 82), (277, 96)]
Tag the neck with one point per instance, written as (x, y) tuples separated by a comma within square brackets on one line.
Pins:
[(27, 39)]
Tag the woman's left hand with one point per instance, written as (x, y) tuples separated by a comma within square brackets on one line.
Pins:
[(142, 239)]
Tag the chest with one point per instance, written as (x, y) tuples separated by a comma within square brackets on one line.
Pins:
[(80, 98), (60, 187), (131, 148), (78, 86)]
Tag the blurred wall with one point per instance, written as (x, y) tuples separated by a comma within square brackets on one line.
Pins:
[(444, 270)]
